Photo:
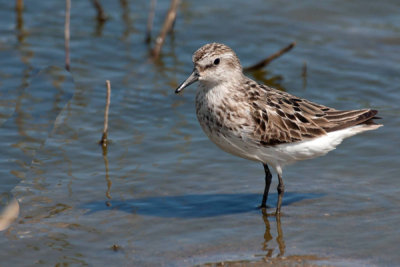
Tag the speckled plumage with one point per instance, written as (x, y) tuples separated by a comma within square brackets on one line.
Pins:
[(260, 123)]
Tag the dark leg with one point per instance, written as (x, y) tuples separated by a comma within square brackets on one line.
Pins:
[(281, 190), (268, 177)]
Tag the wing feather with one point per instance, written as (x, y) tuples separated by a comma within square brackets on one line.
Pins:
[(283, 118)]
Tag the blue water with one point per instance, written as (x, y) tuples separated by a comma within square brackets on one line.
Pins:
[(162, 192)]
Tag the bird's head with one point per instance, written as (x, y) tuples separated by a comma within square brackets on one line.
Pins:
[(213, 64)]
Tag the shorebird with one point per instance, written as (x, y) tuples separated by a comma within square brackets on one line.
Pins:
[(260, 123)]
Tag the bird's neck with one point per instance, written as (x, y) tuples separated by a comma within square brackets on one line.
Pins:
[(219, 94), (223, 87)]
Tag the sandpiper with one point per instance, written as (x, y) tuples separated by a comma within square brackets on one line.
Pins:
[(260, 123)]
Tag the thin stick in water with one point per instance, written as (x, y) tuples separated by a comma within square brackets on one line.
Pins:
[(101, 15), (20, 21), (108, 180), (103, 140), (168, 24), (66, 33), (268, 60), (150, 20), (19, 5)]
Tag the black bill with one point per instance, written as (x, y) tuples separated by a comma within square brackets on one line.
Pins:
[(194, 77)]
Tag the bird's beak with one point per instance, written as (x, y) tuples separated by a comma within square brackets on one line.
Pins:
[(194, 77)]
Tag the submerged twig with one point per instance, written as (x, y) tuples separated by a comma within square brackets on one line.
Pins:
[(126, 19), (108, 180), (168, 24), (104, 140), (20, 21), (150, 20), (66, 33), (101, 15), (268, 60), (19, 5)]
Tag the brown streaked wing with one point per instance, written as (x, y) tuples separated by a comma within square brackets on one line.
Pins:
[(347, 118), (281, 118)]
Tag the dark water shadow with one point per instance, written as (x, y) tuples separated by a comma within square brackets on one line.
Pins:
[(194, 206)]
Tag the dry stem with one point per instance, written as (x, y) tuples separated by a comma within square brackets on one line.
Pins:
[(168, 24), (101, 15), (150, 20), (66, 33), (19, 5), (20, 21), (103, 140), (268, 60)]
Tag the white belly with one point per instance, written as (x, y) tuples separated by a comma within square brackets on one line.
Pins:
[(281, 155)]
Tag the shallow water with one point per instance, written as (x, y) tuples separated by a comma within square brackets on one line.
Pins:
[(162, 193)]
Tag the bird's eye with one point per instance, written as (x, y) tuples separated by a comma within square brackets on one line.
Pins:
[(216, 61)]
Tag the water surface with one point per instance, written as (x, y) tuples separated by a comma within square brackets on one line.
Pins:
[(162, 193)]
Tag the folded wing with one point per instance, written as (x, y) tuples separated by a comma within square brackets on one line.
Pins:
[(281, 118)]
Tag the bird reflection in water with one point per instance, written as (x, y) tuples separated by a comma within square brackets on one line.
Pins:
[(268, 237), (108, 180)]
